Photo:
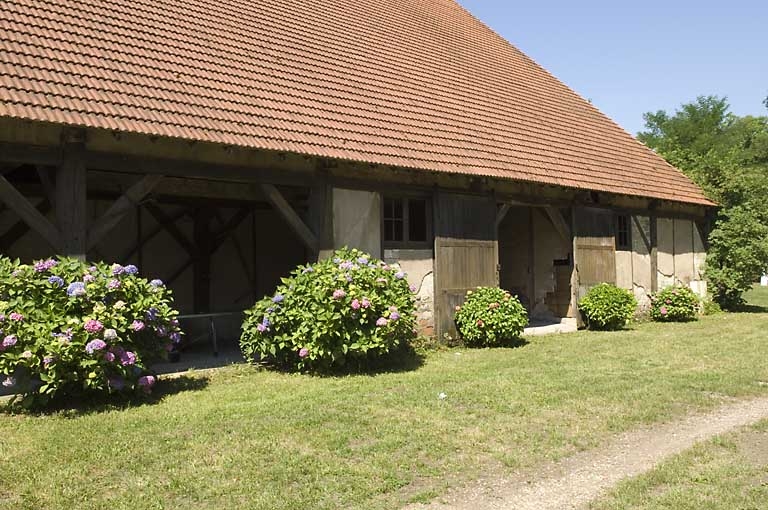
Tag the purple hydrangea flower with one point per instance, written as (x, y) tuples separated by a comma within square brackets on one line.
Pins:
[(9, 381), (266, 321), (381, 322), (146, 382), (363, 261), (9, 341), (131, 269), (113, 284), (88, 278), (95, 345), (394, 316), (109, 356), (338, 294), (93, 269), (2, 317), (42, 266), (56, 280), (93, 326), (16, 316), (278, 298), (261, 328), (336, 260), (76, 289), (157, 283), (303, 352), (175, 337), (117, 269), (48, 360), (137, 325), (161, 331), (346, 265), (309, 269), (412, 288), (127, 358), (400, 275), (348, 277), (152, 314)]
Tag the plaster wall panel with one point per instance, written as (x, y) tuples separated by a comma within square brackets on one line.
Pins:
[(357, 220)]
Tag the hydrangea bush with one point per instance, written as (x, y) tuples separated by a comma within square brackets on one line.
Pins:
[(675, 304), (490, 317), (608, 307), (68, 328), (348, 308)]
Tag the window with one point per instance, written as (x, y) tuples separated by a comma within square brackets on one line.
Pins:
[(623, 230), (407, 222)]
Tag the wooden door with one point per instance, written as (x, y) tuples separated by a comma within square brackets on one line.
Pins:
[(594, 248), (466, 253)]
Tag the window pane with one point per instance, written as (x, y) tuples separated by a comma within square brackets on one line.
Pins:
[(398, 230), (417, 220)]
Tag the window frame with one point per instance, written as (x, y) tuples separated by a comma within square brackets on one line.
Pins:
[(406, 243), (627, 246)]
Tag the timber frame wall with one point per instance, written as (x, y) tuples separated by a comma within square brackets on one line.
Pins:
[(65, 160)]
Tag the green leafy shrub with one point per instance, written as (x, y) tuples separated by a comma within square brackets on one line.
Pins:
[(70, 329), (674, 304), (348, 308), (711, 308), (490, 317), (607, 307)]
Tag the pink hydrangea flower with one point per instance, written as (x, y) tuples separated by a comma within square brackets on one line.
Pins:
[(109, 356), (355, 304), (137, 325), (365, 303), (663, 310), (16, 316), (304, 352), (381, 322), (412, 287), (338, 294), (93, 326), (127, 358)]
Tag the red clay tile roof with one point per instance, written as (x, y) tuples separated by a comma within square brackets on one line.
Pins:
[(411, 83)]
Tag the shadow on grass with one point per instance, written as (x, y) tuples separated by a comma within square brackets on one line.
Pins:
[(746, 308), (73, 407)]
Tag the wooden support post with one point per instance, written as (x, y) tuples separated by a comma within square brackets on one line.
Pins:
[(29, 214), (654, 254), (71, 199), (120, 208), (531, 260), (575, 280), (282, 206), (46, 181), (201, 265)]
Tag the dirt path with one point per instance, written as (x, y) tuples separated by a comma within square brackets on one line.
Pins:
[(575, 481)]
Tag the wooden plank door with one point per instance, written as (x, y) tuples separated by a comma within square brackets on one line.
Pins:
[(466, 253), (594, 248)]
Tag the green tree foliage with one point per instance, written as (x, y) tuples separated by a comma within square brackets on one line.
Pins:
[(727, 156)]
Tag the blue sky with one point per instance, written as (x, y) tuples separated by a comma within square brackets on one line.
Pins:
[(634, 57)]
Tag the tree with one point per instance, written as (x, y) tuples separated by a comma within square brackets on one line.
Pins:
[(727, 156)]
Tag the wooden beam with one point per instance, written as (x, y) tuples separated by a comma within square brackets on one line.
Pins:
[(169, 225), (149, 236), (646, 241), (654, 254), (556, 217), (20, 228), (501, 214), (29, 214), (71, 200), (289, 214), (120, 208), (201, 260), (46, 181)]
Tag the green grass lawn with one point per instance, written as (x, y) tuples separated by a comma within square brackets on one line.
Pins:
[(243, 438), (726, 473)]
